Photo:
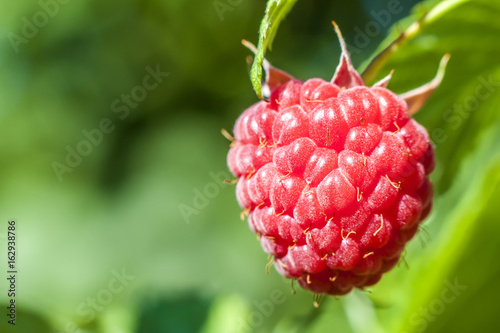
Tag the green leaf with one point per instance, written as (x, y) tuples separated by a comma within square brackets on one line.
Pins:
[(463, 122), (395, 41), (276, 11)]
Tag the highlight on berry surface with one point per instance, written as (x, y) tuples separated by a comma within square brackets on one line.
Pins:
[(333, 176)]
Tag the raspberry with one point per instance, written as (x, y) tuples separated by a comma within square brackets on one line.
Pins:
[(333, 176)]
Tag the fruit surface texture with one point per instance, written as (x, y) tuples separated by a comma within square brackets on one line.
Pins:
[(333, 176)]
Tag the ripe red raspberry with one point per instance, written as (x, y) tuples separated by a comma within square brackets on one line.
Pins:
[(333, 176)]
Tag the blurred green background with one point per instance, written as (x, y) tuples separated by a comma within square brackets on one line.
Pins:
[(138, 234)]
